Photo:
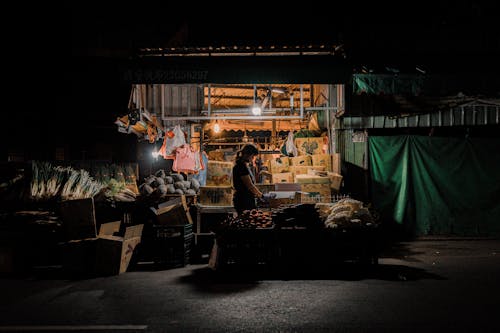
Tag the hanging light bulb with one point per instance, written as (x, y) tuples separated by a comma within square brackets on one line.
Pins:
[(256, 110), (155, 153), (216, 127)]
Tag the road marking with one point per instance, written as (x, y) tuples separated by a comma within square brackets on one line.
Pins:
[(72, 328)]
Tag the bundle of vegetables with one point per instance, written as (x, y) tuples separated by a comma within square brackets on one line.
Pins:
[(102, 173), (116, 191), (162, 183), (117, 173), (130, 177), (65, 182), (80, 185), (348, 213)]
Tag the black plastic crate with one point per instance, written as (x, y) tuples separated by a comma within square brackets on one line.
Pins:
[(171, 245), (160, 232)]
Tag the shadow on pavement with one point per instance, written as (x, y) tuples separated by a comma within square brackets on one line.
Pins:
[(241, 278), (400, 251)]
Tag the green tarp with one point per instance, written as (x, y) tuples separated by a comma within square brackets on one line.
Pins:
[(386, 84), (434, 185)]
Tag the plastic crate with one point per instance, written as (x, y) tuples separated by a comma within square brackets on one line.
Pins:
[(172, 244), (160, 232)]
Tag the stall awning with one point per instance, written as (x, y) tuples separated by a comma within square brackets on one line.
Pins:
[(256, 125), (238, 69)]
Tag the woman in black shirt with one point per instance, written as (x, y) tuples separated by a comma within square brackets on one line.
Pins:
[(245, 190)]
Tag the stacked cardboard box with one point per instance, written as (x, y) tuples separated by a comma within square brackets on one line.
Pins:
[(314, 188), (90, 253), (279, 165), (216, 196)]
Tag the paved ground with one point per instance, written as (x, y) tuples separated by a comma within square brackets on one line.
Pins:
[(422, 286)]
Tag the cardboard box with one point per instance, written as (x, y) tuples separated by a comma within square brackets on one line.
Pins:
[(336, 163), (315, 193), (78, 218), (173, 212), (324, 160), (105, 254), (265, 188), (219, 173), (311, 146), (285, 177), (283, 198), (311, 179), (304, 170), (279, 165), (304, 160), (335, 180), (216, 196), (287, 187)]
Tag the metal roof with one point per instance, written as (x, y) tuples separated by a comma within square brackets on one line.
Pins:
[(246, 50), (472, 112)]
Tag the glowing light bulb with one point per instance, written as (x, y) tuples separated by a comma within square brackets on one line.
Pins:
[(256, 110), (216, 128)]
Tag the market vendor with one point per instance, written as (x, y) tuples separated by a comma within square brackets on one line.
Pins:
[(245, 191)]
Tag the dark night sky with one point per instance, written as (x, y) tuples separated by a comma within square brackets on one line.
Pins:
[(76, 103), (416, 32)]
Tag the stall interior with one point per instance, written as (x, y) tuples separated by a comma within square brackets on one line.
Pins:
[(203, 126)]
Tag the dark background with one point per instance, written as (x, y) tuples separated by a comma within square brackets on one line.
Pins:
[(70, 94)]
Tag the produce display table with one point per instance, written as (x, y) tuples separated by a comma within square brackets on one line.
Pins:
[(202, 209), (284, 247), (203, 235)]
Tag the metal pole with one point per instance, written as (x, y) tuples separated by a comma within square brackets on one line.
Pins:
[(162, 100), (234, 118), (209, 102), (301, 100), (328, 125)]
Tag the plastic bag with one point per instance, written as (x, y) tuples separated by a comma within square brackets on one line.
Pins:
[(173, 140), (313, 124), (201, 176), (179, 137), (290, 146)]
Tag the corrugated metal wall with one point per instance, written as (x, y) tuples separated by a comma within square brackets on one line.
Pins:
[(352, 152), (354, 164), (467, 115), (166, 100)]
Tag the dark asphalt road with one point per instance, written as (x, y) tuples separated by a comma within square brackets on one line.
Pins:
[(423, 286)]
